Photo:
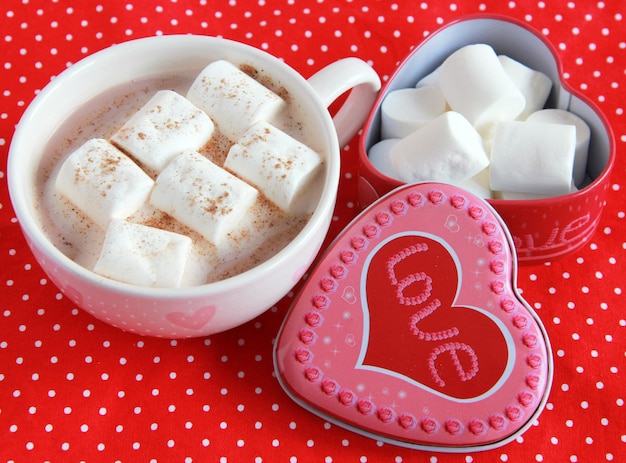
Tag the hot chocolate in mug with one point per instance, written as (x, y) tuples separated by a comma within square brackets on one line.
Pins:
[(204, 309)]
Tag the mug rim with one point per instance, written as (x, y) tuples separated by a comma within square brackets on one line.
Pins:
[(36, 237)]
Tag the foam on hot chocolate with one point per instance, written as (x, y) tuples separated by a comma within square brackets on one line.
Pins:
[(251, 229)]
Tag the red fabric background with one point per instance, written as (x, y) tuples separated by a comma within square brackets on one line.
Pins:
[(75, 389)]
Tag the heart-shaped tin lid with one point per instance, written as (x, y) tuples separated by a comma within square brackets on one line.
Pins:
[(410, 328)]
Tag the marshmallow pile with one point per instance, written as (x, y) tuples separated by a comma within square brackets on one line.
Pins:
[(478, 121), (155, 161)]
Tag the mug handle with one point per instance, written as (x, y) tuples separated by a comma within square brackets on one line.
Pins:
[(337, 78)]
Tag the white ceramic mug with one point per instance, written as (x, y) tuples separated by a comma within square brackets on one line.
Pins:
[(210, 308)]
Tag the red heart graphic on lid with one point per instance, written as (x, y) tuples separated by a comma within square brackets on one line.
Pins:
[(411, 331), (412, 283)]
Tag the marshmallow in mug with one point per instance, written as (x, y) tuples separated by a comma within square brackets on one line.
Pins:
[(143, 255), (233, 99), (103, 182), (276, 163), (202, 195), (447, 149), (531, 157), (166, 125)]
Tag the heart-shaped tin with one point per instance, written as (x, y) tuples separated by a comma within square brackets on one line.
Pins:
[(410, 328), (542, 229)]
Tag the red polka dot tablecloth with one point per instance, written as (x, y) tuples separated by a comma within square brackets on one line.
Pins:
[(75, 389)]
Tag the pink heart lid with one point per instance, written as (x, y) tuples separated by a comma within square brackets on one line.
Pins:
[(410, 328)]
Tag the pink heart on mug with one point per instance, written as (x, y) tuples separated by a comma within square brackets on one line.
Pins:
[(192, 321), (434, 348)]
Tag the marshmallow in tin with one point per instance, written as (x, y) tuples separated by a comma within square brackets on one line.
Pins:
[(202, 195), (475, 84), (380, 157), (429, 80), (103, 182), (405, 110), (447, 149), (518, 195), (233, 99), (142, 255), (583, 136), (534, 85), (532, 157), (275, 162), (166, 125), (479, 184)]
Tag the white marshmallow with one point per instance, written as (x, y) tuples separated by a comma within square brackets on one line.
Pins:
[(533, 158), (103, 182), (202, 195), (380, 157), (447, 149), (142, 255), (233, 99), (508, 195), (517, 195), (534, 85), (405, 110), (475, 84), (583, 135), (166, 125), (273, 161), (429, 80), (479, 184)]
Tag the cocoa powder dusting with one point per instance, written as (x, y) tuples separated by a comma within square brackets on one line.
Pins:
[(266, 81), (216, 149)]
